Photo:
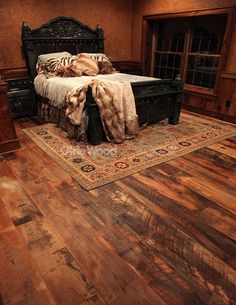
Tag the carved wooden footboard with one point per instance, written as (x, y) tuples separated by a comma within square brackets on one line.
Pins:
[(155, 100)]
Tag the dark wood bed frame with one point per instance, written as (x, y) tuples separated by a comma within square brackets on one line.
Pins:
[(155, 100)]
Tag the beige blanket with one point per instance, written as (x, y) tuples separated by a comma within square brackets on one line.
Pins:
[(116, 105), (56, 88)]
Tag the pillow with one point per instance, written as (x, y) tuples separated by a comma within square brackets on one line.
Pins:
[(43, 58), (97, 56), (54, 63), (105, 67)]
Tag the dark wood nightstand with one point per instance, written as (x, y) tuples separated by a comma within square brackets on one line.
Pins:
[(21, 96)]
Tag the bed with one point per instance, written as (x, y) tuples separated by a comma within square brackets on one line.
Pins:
[(155, 99)]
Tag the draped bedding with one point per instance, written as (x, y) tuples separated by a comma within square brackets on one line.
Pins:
[(116, 105)]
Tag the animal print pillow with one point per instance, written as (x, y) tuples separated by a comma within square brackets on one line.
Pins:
[(97, 56), (43, 58), (52, 64)]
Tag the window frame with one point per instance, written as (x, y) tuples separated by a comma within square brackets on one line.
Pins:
[(156, 51), (149, 40)]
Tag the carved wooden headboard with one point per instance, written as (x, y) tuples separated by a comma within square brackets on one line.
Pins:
[(59, 34)]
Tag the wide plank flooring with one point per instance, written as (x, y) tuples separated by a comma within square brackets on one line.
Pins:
[(166, 235)]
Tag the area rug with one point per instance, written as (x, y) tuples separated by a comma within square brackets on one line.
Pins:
[(93, 166)]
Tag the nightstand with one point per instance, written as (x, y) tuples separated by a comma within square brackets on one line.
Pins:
[(21, 97)]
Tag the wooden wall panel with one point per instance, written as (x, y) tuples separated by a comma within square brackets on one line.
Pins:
[(227, 96), (231, 60), (200, 101)]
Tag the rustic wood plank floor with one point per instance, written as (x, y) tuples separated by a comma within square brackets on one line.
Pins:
[(166, 235)]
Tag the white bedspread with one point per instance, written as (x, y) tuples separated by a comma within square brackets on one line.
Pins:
[(56, 88)]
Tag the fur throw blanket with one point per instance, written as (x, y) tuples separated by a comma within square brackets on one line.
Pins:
[(116, 106)]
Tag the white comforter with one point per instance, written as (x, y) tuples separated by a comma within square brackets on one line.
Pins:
[(56, 88)]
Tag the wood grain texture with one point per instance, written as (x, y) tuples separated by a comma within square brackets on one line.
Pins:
[(20, 279), (165, 235), (19, 206), (57, 266)]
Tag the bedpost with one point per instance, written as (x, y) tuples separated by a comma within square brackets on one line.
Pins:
[(28, 49), (101, 38), (95, 132), (25, 29), (178, 84)]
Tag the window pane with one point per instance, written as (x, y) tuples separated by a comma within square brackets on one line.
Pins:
[(167, 65), (158, 59), (163, 59), (207, 34), (170, 36), (201, 71)]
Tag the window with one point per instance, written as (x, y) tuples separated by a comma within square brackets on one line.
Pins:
[(191, 47)]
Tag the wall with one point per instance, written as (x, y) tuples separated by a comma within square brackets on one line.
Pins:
[(223, 104), (114, 16)]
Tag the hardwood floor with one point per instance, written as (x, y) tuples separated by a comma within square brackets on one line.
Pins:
[(166, 235)]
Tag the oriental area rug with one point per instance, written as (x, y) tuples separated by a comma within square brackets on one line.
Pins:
[(94, 166)]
